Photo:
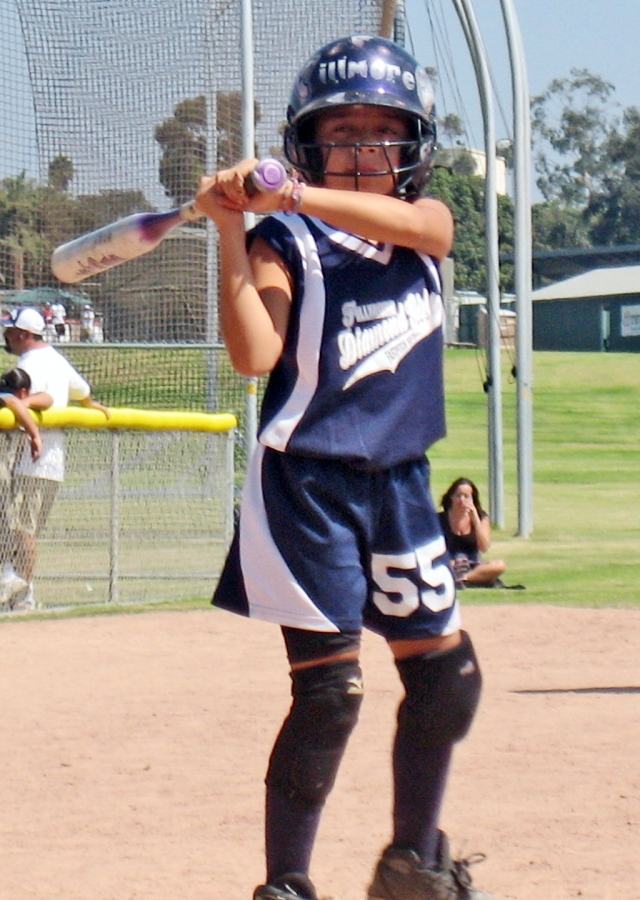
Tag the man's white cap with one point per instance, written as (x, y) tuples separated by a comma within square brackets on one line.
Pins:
[(28, 319)]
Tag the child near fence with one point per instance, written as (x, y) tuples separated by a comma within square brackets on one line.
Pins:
[(15, 385)]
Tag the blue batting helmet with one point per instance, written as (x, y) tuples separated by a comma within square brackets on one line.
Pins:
[(363, 70)]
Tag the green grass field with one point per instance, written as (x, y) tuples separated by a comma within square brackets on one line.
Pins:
[(585, 546)]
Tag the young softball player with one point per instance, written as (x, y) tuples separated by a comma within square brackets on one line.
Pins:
[(337, 295)]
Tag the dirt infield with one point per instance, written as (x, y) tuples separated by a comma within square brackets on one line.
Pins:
[(133, 750)]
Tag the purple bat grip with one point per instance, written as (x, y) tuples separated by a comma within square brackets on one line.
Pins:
[(268, 175)]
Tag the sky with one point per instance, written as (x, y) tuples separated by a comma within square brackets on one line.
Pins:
[(558, 35)]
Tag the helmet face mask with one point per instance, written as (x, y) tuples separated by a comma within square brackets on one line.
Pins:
[(363, 71), (410, 174)]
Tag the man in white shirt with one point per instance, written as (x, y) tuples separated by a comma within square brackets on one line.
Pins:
[(54, 383), (87, 322), (59, 320)]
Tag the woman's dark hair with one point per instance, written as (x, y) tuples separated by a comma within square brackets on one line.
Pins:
[(15, 380), (447, 497)]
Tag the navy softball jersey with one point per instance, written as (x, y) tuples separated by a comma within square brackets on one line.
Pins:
[(337, 528)]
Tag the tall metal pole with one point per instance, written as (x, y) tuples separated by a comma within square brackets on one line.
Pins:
[(212, 320), (248, 150), (464, 9), (114, 542), (523, 255)]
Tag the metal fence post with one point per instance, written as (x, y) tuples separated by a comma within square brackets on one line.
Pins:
[(114, 543)]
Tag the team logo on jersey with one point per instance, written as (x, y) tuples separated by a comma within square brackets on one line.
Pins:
[(377, 336)]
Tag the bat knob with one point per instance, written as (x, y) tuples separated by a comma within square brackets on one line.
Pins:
[(269, 175)]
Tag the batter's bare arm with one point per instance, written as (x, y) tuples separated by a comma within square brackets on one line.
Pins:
[(255, 289), (425, 226)]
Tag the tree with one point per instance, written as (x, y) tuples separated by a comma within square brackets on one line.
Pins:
[(465, 196), (459, 160), (20, 233), (572, 125), (60, 173), (229, 127), (183, 139), (36, 218), (452, 127), (555, 226), (614, 211)]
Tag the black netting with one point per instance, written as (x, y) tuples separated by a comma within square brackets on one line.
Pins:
[(117, 106), (112, 107)]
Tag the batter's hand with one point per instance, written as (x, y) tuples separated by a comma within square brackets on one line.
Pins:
[(226, 190)]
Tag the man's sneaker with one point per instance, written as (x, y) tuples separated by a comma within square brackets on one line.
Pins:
[(27, 602), (294, 886), (12, 591), (398, 876)]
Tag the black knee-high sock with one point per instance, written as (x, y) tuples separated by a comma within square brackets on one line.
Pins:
[(442, 693), (305, 759), (290, 832), (420, 776)]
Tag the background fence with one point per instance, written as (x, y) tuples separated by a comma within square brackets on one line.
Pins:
[(145, 512), (111, 107), (114, 107)]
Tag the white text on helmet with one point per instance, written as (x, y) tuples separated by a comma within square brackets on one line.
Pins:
[(344, 69)]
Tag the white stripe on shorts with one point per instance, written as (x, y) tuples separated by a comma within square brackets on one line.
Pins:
[(272, 592)]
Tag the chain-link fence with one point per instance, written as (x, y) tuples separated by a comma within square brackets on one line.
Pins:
[(145, 511), (117, 107), (111, 107)]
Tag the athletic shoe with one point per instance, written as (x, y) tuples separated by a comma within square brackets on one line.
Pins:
[(399, 876), (294, 886), (26, 603), (12, 591)]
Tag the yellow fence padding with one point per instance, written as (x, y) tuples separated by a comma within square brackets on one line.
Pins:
[(126, 419)]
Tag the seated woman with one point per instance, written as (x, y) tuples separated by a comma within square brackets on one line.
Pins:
[(467, 532)]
